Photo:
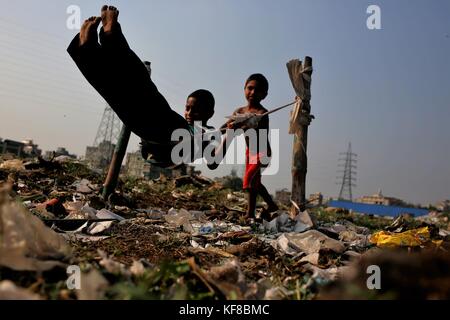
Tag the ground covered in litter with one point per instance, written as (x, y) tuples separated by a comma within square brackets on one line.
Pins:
[(184, 238)]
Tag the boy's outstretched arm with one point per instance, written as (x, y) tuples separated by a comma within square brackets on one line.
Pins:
[(219, 152)]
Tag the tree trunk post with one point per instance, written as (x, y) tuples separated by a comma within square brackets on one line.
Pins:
[(301, 79)]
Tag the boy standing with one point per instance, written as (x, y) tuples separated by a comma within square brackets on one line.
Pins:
[(255, 90)]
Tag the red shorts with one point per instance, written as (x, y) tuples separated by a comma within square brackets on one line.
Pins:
[(252, 176)]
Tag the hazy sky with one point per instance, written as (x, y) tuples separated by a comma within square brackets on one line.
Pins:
[(387, 91)]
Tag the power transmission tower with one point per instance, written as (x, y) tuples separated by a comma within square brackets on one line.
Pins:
[(106, 138), (348, 173)]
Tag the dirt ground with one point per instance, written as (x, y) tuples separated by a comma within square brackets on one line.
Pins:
[(146, 256)]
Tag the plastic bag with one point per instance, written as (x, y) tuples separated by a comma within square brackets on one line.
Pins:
[(410, 238)]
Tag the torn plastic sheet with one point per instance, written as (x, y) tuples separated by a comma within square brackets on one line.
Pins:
[(9, 291), (284, 223), (25, 242), (84, 186), (94, 228), (309, 242)]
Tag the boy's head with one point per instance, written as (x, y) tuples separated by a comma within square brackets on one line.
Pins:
[(256, 88), (199, 106)]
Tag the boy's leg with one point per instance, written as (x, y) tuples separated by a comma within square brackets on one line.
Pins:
[(87, 54), (267, 198), (251, 182), (251, 202), (137, 96), (272, 206), (96, 66), (123, 81)]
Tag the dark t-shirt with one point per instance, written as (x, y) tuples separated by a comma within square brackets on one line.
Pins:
[(160, 154)]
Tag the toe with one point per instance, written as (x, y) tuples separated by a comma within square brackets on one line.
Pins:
[(104, 8), (111, 8)]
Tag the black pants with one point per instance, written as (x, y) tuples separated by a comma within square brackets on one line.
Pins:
[(121, 78)]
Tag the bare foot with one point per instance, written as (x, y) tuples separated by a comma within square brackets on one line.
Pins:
[(88, 30), (266, 214), (110, 16), (272, 208)]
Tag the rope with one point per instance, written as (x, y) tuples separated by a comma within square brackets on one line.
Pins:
[(259, 115)]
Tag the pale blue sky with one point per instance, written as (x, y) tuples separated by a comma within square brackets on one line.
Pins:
[(386, 91)]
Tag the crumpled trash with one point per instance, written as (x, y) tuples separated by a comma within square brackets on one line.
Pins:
[(84, 186), (63, 159), (324, 276), (186, 196), (195, 244), (235, 236), (198, 181), (230, 280), (410, 238), (83, 237), (14, 165), (111, 265), (207, 228), (304, 222), (243, 249), (80, 210), (278, 293), (344, 230), (284, 223), (25, 242), (153, 214), (309, 242), (312, 258), (281, 223), (180, 217), (93, 286), (444, 233), (137, 269), (99, 227), (402, 223), (353, 239), (198, 215), (9, 291)]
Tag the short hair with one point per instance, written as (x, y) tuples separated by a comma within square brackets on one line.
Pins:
[(258, 77), (205, 98)]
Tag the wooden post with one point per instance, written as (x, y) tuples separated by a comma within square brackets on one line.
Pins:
[(116, 163), (301, 79)]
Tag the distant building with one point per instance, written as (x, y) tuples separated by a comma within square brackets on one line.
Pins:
[(443, 205), (283, 196), (31, 149), (315, 199), (136, 166), (21, 149), (100, 157), (11, 147), (61, 151), (379, 198)]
